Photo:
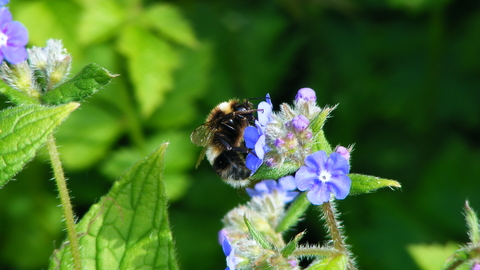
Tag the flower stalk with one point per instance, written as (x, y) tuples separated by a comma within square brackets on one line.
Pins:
[(333, 227), (65, 200)]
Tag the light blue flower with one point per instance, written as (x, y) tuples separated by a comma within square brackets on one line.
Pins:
[(323, 175), (284, 186)]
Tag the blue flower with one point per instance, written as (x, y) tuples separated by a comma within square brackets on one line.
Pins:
[(13, 38), (229, 251), (285, 186), (322, 176), (255, 136), (3, 2)]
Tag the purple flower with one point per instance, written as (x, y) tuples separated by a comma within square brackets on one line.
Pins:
[(306, 94), (285, 186), (322, 176), (476, 266), (13, 38), (299, 123)]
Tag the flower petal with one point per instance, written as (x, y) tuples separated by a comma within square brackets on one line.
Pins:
[(5, 17), (253, 162), (250, 135), (14, 55), (316, 160), (305, 178), (287, 183), (259, 147), (319, 193), (17, 34), (337, 162), (340, 186)]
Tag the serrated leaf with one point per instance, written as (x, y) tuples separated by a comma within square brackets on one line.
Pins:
[(169, 20), (87, 82), (338, 262), (366, 183), (129, 227), (23, 130), (151, 62), (100, 20)]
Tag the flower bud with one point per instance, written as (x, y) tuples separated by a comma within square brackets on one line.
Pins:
[(344, 152), (306, 94)]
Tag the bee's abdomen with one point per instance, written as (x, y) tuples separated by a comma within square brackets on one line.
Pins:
[(231, 165)]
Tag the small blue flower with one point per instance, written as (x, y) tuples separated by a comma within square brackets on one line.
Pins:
[(306, 94), (3, 2), (285, 186), (13, 38), (255, 136), (322, 176)]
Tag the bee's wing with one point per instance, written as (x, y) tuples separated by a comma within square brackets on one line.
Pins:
[(200, 157), (201, 135)]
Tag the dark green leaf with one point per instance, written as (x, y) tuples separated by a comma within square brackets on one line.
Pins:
[(23, 130), (366, 183), (87, 82), (129, 227)]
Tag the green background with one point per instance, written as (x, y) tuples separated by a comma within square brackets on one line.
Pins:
[(406, 74)]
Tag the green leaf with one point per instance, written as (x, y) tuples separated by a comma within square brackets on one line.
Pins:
[(17, 97), (100, 20), (365, 183), (129, 227), (294, 212), (151, 62), (168, 20), (258, 237), (472, 224), (87, 82), (430, 257), (292, 245), (320, 142), (23, 130), (266, 172), (338, 262)]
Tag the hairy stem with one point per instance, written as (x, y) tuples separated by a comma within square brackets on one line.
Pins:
[(65, 200), (333, 228)]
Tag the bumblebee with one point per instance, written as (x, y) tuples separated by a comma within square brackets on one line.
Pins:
[(222, 138)]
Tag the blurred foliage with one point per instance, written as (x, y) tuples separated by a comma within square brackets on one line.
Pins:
[(406, 74)]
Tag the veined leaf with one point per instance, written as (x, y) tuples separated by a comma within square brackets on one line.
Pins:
[(151, 62), (367, 183), (87, 82), (129, 227), (23, 130)]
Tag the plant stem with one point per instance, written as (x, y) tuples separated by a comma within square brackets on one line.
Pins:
[(333, 228), (65, 200)]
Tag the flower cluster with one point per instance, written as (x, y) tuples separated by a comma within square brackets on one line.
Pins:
[(13, 37), (263, 211)]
